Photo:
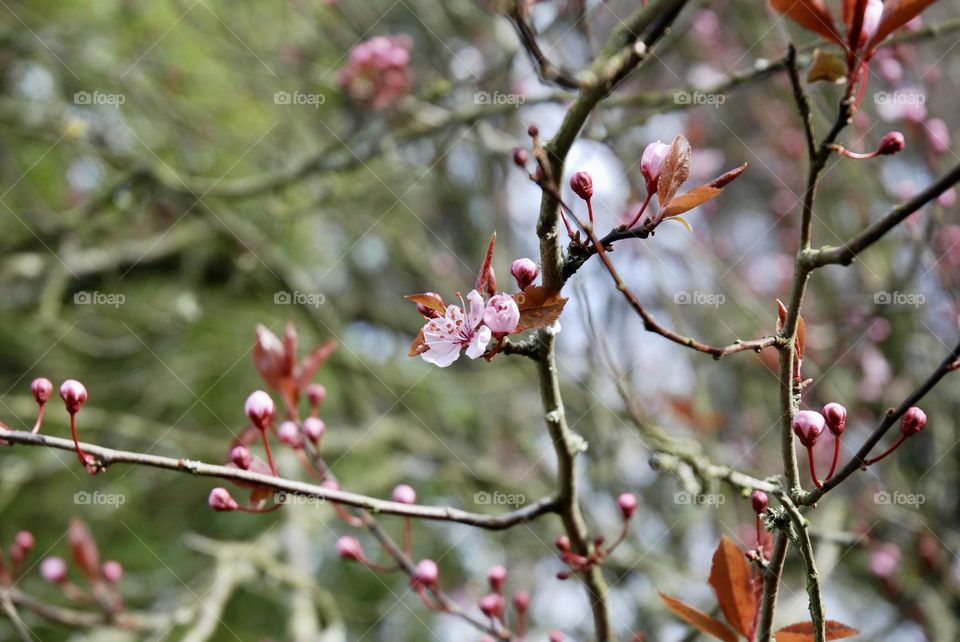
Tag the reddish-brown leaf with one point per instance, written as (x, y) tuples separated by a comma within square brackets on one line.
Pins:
[(312, 361), (676, 170), (803, 632), (269, 357), (849, 7), (732, 581), (897, 13), (781, 314), (809, 14), (485, 275), (539, 307), (419, 345), (728, 177), (290, 348), (801, 342), (84, 549), (430, 300), (688, 201), (698, 619)]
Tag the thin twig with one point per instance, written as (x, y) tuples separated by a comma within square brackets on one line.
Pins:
[(108, 456)]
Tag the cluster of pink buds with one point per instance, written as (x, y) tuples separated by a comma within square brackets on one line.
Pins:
[(577, 563), (485, 315), (891, 143), (290, 377), (808, 425), (492, 604), (101, 578), (378, 71)]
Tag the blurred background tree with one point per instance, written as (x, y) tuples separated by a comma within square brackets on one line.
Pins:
[(174, 173)]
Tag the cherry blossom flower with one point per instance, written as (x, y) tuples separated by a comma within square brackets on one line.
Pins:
[(445, 337), (378, 71), (502, 315), (651, 163)]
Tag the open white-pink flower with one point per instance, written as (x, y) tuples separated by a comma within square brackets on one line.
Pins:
[(501, 314), (446, 336)]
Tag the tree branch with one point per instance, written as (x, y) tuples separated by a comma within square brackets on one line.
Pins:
[(108, 456), (845, 255)]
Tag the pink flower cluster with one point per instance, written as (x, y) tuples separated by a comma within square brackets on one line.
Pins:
[(445, 336), (378, 72)]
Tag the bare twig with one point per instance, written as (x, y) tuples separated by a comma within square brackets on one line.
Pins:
[(845, 255), (549, 72), (948, 365)]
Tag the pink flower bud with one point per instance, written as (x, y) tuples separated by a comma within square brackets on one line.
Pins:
[(220, 500), (525, 271), (758, 499), (24, 540), (241, 457), (520, 157), (53, 570), (836, 417), (501, 314), (533, 131), (42, 388), (289, 434), (22, 543), (496, 576), (557, 636), (891, 143), (73, 394), (313, 428), (651, 163), (316, 393), (259, 409), (628, 505), (807, 425), (885, 560), (491, 605), (112, 571), (582, 185), (404, 494), (913, 421), (349, 548), (425, 573), (521, 601), (562, 542)]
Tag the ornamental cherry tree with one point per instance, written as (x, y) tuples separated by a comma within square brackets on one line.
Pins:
[(565, 288)]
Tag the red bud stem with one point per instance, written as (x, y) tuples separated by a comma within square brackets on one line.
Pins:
[(643, 208), (266, 447), (82, 456), (836, 456), (813, 467), (889, 450)]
